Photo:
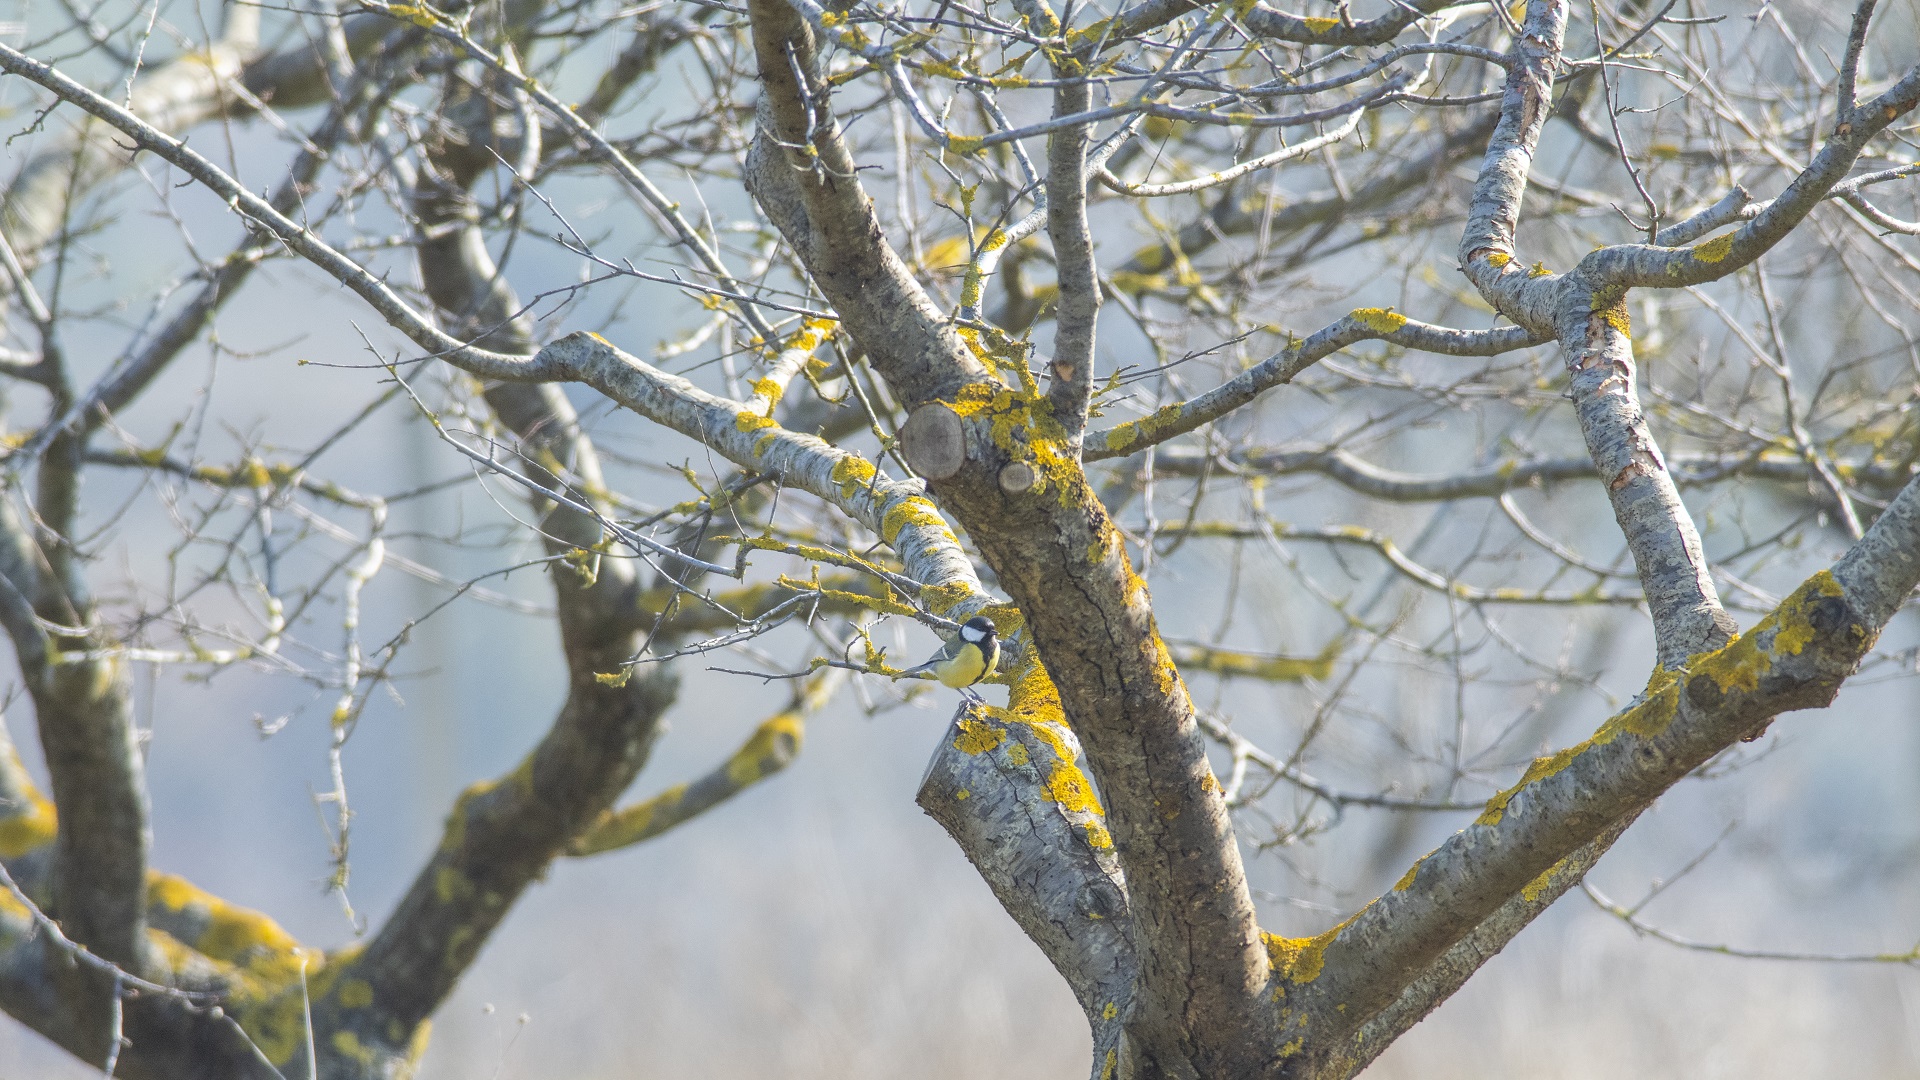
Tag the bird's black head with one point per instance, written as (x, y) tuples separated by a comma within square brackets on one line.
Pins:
[(978, 630)]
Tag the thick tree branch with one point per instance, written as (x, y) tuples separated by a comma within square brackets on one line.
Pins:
[(82, 703), (1487, 245), (1795, 658), (1468, 955), (215, 954), (1022, 497), (1588, 315), (1014, 485), (1005, 785), (802, 174), (1077, 311)]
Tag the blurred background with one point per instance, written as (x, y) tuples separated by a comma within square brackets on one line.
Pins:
[(819, 925)]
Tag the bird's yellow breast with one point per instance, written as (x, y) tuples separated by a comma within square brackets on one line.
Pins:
[(963, 670)]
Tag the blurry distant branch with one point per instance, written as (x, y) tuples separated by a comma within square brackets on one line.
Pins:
[(1239, 212), (1244, 751), (84, 710), (173, 96), (771, 748), (250, 474), (1910, 958), (1690, 469), (1356, 536), (188, 1019), (1235, 664), (667, 33), (183, 1008), (128, 380), (501, 836)]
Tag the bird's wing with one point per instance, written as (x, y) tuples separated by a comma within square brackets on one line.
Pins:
[(947, 652)]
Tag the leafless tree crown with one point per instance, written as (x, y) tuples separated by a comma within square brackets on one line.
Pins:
[(1332, 330)]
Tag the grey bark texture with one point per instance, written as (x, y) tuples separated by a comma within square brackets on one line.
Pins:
[(1089, 805)]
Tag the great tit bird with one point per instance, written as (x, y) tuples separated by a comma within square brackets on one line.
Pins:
[(967, 659)]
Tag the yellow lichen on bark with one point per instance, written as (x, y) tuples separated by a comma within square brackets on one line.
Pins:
[(941, 599), (1145, 430), (1034, 704), (629, 825), (1744, 661), (1737, 667), (1714, 250), (1007, 619), (519, 780), (355, 993), (769, 391), (852, 472), (977, 737), (1166, 673), (1021, 424), (30, 824), (1068, 786), (1299, 960), (773, 744), (1406, 879), (1379, 320), (1532, 891), (252, 942), (914, 510), (450, 885), (885, 604), (1616, 316)]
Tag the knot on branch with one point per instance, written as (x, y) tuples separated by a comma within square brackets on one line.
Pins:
[(1798, 655), (1010, 436)]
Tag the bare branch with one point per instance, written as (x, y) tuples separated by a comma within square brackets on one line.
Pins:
[(771, 748), (1364, 324)]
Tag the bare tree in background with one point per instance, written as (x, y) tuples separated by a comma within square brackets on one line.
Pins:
[(994, 333)]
